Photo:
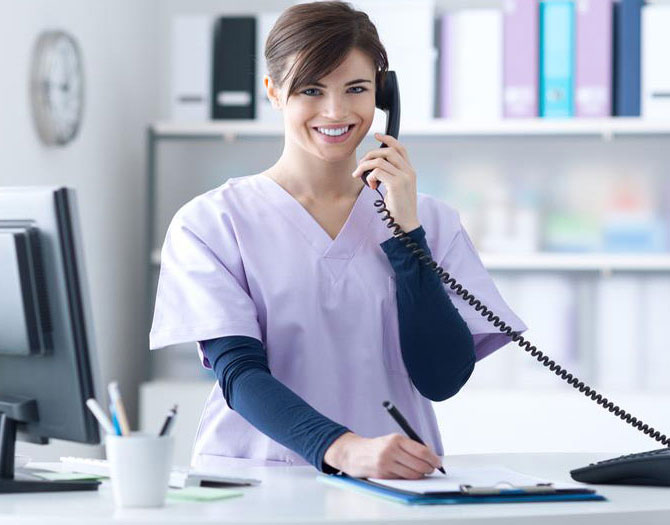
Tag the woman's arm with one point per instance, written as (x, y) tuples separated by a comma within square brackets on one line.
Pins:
[(240, 365), (437, 346)]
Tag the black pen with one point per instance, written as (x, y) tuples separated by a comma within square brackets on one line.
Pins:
[(168, 421), (395, 414)]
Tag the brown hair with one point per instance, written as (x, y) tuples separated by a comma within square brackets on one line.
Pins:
[(320, 35)]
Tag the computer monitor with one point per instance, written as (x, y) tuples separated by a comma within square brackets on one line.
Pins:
[(47, 358)]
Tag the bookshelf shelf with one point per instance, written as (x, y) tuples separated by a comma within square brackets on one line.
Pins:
[(560, 262), (605, 128)]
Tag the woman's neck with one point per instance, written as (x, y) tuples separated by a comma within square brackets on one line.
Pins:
[(313, 179)]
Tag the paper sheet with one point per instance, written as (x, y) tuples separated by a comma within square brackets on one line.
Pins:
[(477, 477)]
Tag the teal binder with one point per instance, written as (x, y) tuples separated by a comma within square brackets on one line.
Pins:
[(467, 494), (557, 58)]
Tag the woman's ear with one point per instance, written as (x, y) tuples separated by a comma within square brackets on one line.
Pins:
[(273, 93)]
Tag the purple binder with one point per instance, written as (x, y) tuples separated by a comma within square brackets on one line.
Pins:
[(520, 58), (593, 61)]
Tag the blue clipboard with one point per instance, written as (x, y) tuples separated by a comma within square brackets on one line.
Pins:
[(511, 495)]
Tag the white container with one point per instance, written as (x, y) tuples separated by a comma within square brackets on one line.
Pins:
[(140, 467)]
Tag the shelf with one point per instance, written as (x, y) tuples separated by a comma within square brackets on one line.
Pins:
[(596, 262), (587, 262), (606, 128)]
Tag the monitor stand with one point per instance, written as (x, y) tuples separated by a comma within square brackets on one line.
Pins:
[(12, 411)]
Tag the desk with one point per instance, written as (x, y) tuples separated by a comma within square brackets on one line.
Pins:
[(290, 495)]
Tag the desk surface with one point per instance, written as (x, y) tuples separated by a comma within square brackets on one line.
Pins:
[(292, 495)]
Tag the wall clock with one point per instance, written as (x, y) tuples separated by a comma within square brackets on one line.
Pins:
[(57, 87)]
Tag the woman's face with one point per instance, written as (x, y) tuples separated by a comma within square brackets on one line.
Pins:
[(316, 114)]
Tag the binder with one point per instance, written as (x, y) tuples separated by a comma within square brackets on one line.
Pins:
[(234, 68), (556, 58), (190, 65), (655, 89), (471, 64), (593, 75), (627, 58), (486, 487), (520, 44)]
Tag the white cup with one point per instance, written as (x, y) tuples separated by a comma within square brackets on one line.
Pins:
[(140, 467)]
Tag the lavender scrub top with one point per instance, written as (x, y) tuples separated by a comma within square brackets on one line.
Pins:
[(247, 258)]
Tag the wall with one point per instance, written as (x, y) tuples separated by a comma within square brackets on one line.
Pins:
[(105, 163)]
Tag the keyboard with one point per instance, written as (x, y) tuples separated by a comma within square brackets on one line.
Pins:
[(642, 468), (180, 477)]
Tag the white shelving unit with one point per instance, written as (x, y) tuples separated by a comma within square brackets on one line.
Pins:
[(433, 134), (605, 128)]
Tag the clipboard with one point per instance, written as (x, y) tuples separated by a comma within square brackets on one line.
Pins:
[(467, 493)]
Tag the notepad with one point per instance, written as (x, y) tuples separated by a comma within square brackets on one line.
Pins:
[(201, 494)]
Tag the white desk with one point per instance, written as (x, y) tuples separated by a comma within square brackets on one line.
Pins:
[(290, 495)]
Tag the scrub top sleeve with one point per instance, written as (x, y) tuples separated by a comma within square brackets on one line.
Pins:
[(464, 265), (199, 297)]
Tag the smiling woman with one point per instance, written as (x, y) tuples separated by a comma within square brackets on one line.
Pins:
[(308, 310)]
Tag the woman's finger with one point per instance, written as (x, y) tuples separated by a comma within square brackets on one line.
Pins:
[(389, 154), (399, 470), (415, 463), (378, 163), (421, 452), (391, 141)]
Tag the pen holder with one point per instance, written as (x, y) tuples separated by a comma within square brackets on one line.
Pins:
[(139, 467)]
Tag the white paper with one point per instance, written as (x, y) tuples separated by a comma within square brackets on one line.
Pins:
[(494, 475)]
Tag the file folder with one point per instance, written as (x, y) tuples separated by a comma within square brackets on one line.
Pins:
[(627, 42), (521, 488), (557, 58), (234, 68)]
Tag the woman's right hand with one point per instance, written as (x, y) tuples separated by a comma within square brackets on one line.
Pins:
[(391, 456)]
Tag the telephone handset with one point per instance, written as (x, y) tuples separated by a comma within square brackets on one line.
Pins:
[(387, 98)]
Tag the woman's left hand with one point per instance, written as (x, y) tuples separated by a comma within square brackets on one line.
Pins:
[(392, 167)]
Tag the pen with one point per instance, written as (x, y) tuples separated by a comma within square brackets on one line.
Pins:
[(395, 414), (100, 415), (115, 420), (168, 421), (115, 398)]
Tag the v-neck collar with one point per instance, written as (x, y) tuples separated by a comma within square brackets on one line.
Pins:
[(350, 236)]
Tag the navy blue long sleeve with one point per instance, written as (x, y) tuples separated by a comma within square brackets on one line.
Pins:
[(437, 349), (241, 367), (436, 344)]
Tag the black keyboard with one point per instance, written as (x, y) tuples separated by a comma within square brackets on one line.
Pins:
[(642, 468)]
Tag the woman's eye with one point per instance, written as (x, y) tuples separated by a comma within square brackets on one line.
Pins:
[(309, 92), (361, 88)]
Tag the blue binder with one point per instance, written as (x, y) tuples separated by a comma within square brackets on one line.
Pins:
[(468, 495), (627, 58), (557, 58)]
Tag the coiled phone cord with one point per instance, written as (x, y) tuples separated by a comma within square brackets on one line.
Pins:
[(507, 330)]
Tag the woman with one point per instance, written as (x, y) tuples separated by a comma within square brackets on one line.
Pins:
[(309, 311)]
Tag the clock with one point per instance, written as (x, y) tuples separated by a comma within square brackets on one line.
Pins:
[(57, 87)]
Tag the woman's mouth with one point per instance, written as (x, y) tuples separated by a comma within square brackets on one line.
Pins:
[(334, 135)]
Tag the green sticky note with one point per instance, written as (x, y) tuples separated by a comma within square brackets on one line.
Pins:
[(66, 476), (201, 494)]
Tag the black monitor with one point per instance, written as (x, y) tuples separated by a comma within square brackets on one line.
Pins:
[(47, 359)]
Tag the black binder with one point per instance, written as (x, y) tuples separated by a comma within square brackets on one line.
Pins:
[(234, 68)]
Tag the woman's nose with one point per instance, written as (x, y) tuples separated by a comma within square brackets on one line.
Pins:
[(335, 107)]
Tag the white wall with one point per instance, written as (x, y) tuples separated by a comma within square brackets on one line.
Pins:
[(105, 163)]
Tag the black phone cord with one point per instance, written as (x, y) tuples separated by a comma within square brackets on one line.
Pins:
[(507, 330)]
